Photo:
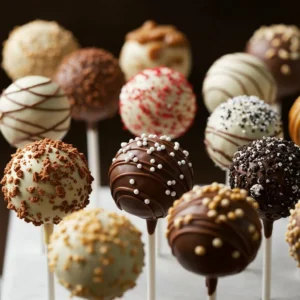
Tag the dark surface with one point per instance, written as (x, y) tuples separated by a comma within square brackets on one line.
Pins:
[(213, 27)]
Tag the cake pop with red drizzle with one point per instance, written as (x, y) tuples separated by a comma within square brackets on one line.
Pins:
[(159, 101), (148, 174)]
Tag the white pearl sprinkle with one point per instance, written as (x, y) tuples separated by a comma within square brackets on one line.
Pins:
[(136, 191), (135, 159), (143, 135), (137, 138), (131, 181), (114, 159), (173, 182), (147, 201), (158, 148), (152, 149), (181, 176), (163, 147), (176, 148), (156, 145), (152, 161), (149, 151), (173, 194), (160, 166), (123, 144), (139, 166), (169, 182), (168, 139), (139, 143), (190, 165), (123, 150), (152, 169), (127, 159), (145, 143), (179, 163), (183, 162), (131, 140), (172, 154), (168, 192), (186, 153), (131, 155)]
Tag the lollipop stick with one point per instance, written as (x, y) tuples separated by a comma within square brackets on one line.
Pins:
[(158, 238), (211, 284), (227, 178), (151, 286), (266, 294), (212, 297), (48, 229), (94, 161), (278, 107)]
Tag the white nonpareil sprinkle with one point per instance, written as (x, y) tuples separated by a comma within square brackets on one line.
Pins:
[(160, 166), (158, 149), (173, 182), (139, 143), (173, 194), (147, 201), (127, 159), (179, 163), (123, 144), (168, 192), (190, 165), (149, 151), (156, 145), (152, 161), (152, 149), (136, 191), (172, 154), (181, 176), (183, 162), (131, 140), (152, 169), (135, 159), (114, 159), (139, 166), (131, 181), (143, 135), (131, 155), (163, 147), (145, 143), (169, 182), (186, 153)]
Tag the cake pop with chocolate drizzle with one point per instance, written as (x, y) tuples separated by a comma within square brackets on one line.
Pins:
[(269, 169), (214, 231), (148, 174)]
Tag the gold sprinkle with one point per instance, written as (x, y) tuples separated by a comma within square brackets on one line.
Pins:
[(285, 69), (256, 236), (225, 203), (188, 218), (212, 213), (217, 243), (231, 215), (206, 201), (236, 254), (275, 42), (200, 250), (239, 213), (222, 218), (251, 228), (283, 54), (270, 53)]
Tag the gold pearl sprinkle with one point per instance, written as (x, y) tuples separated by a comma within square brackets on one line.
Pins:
[(285, 69), (200, 250), (225, 203), (212, 213), (206, 201), (217, 243), (222, 218), (239, 213), (251, 228), (236, 254), (231, 215)]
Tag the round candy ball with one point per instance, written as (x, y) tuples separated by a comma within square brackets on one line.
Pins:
[(159, 101), (154, 45), (269, 169), (33, 108), (214, 231), (293, 233), (96, 254), (148, 174), (294, 122), (237, 74), (278, 46), (237, 122), (92, 79), (36, 48), (45, 181)]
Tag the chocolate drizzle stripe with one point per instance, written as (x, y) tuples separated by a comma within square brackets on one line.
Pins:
[(221, 135), (27, 88), (213, 157), (215, 150)]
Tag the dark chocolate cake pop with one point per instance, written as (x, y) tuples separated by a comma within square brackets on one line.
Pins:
[(214, 231), (92, 79), (269, 169), (148, 174)]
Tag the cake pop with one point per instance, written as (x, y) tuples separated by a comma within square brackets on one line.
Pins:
[(294, 122), (159, 101), (237, 74), (278, 46), (36, 48), (96, 254), (293, 233), (45, 181), (92, 79), (237, 122), (33, 108), (154, 45), (214, 231)]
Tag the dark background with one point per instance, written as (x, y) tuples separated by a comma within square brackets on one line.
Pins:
[(213, 27)]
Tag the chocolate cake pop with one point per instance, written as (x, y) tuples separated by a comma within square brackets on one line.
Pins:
[(293, 233), (294, 122), (96, 254), (33, 108), (237, 74), (45, 181), (36, 48), (237, 122), (92, 79), (159, 101), (278, 46), (269, 169), (148, 174), (154, 45), (214, 231)]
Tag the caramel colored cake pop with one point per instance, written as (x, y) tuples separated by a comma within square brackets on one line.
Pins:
[(96, 254), (45, 181), (278, 46), (294, 122), (148, 174), (293, 233), (159, 101), (33, 108), (36, 48), (269, 169), (92, 79), (237, 122), (237, 74), (154, 45), (214, 231)]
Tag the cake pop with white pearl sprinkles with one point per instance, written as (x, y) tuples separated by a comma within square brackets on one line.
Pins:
[(238, 122), (148, 174), (214, 231)]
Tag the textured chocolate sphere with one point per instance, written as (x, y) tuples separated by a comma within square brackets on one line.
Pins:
[(92, 80), (294, 122), (96, 254), (45, 181), (214, 231), (293, 234), (278, 46), (148, 174), (269, 169), (36, 48)]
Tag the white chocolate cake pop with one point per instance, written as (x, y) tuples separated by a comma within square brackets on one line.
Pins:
[(96, 254), (238, 122), (45, 181), (237, 74), (33, 108), (154, 45), (36, 48), (159, 101)]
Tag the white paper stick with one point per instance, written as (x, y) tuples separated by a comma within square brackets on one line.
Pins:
[(278, 107), (94, 161), (151, 286), (158, 235), (267, 270), (212, 297), (48, 230), (227, 178)]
